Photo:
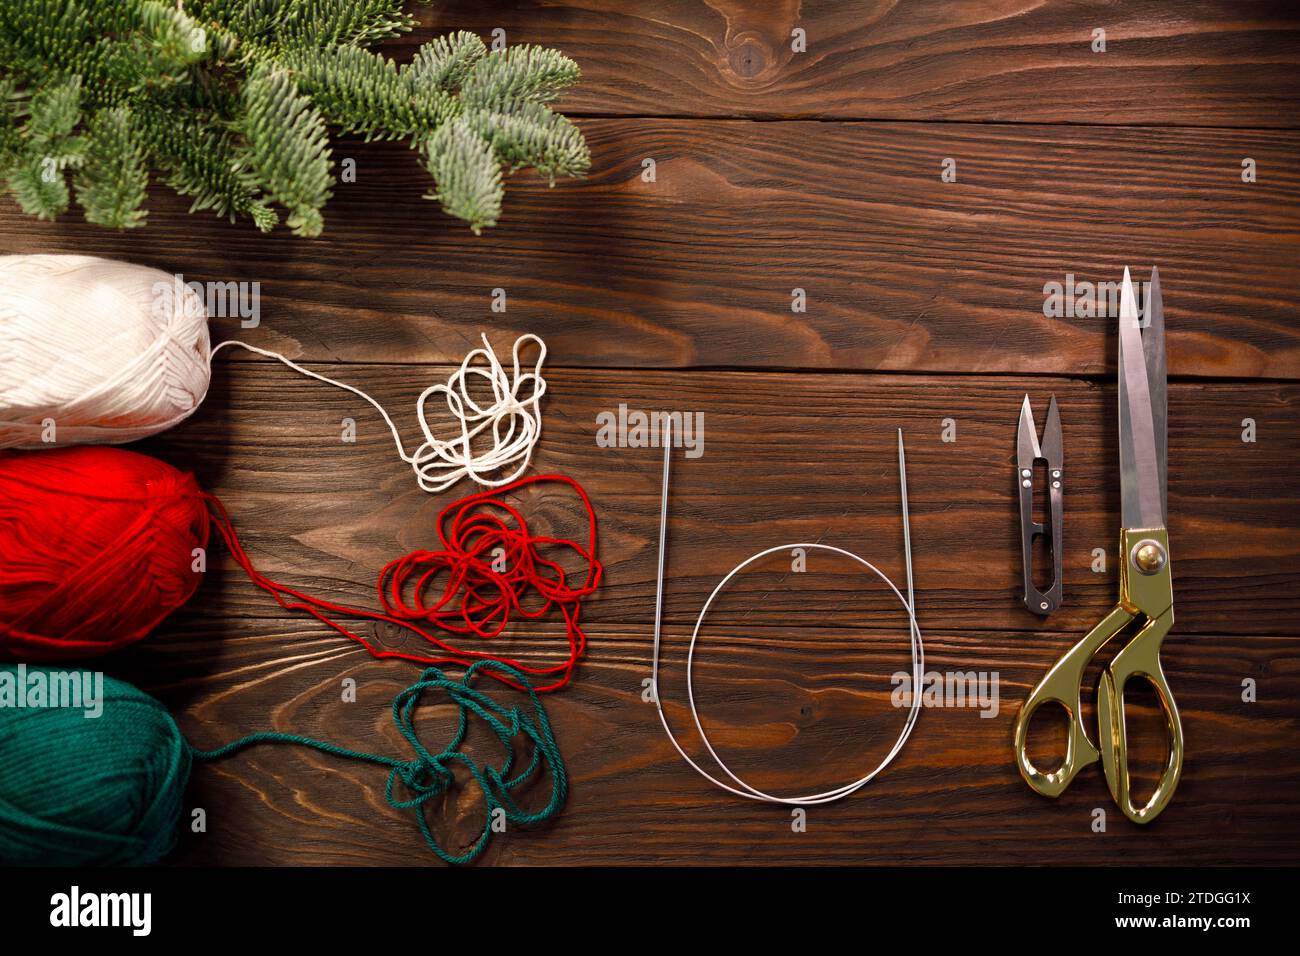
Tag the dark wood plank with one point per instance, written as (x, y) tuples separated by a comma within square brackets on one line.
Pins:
[(786, 458), (792, 708), (902, 272), (1210, 63)]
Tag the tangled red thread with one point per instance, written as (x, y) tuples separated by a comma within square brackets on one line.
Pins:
[(490, 568)]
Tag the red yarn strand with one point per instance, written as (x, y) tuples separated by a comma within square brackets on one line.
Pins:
[(476, 599)]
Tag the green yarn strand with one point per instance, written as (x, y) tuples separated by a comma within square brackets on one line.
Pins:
[(429, 775)]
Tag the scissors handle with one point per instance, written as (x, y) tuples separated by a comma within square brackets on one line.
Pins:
[(1139, 658), (1063, 685)]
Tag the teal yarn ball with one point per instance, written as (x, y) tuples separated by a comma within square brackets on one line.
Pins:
[(77, 789)]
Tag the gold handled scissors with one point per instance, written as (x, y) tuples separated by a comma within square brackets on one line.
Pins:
[(1145, 585)]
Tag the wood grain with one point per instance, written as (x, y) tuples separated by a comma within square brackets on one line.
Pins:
[(795, 676), (901, 271), (1216, 63), (786, 458), (791, 708), (776, 171)]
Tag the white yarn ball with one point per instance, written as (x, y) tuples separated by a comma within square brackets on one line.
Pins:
[(109, 351)]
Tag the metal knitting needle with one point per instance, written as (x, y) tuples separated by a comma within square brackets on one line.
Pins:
[(907, 526), (663, 533)]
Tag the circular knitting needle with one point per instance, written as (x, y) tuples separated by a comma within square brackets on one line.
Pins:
[(743, 789)]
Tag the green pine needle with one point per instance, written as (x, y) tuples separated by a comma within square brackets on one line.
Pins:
[(319, 23), (55, 111), (233, 101), (467, 174), (363, 92), (444, 63), (40, 186), (12, 109), (519, 73), (113, 181), (200, 163), (529, 134), (173, 39), (285, 148)]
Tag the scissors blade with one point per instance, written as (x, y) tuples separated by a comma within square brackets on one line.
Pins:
[(1153, 347), (1027, 450), (1052, 444), (1138, 457)]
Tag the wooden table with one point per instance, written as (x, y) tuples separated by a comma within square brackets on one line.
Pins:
[(775, 171)]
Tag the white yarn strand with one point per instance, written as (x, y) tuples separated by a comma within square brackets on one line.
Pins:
[(512, 422), (741, 788)]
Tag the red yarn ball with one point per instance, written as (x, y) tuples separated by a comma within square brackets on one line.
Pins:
[(96, 548)]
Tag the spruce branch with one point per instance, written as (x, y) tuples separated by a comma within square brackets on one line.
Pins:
[(233, 101), (285, 147), (309, 23), (320, 23), (12, 110), (466, 172), (112, 182), (40, 186), (519, 73), (443, 64), (530, 134), (55, 112), (38, 174), (200, 163), (363, 92), (170, 37)]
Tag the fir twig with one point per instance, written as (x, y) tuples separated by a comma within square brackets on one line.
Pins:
[(112, 183), (233, 100)]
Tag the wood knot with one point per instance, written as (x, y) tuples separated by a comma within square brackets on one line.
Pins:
[(750, 58), (756, 37)]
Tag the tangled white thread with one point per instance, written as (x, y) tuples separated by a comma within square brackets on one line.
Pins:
[(512, 422)]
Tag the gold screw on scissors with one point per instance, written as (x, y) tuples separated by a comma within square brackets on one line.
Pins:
[(1145, 585)]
